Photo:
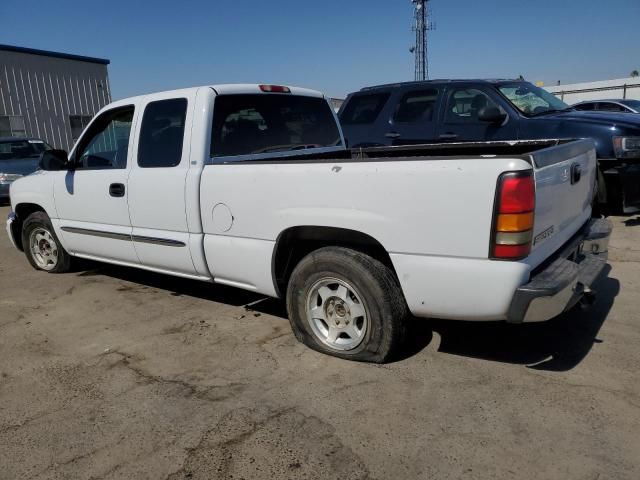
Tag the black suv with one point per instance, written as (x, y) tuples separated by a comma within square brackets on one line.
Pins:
[(489, 110)]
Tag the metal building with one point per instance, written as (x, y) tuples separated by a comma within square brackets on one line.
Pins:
[(621, 88), (50, 95)]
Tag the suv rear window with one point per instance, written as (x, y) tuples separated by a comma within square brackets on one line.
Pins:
[(263, 123), (363, 108)]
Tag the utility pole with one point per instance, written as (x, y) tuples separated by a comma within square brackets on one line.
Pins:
[(422, 25)]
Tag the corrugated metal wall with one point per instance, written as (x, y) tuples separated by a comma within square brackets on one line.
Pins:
[(45, 91)]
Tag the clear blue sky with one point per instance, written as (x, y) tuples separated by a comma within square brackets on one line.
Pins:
[(334, 46)]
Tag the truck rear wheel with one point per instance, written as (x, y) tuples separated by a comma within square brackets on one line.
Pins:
[(347, 304), (41, 245)]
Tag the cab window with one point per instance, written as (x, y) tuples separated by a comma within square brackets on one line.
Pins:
[(162, 133), (106, 143)]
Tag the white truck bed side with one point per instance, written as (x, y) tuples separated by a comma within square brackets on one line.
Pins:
[(420, 211)]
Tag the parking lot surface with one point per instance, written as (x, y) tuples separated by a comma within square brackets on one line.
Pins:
[(117, 373)]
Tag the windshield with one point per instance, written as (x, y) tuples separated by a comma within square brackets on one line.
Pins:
[(635, 104), (17, 149), (532, 100)]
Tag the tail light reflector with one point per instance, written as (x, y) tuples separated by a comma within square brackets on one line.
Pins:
[(511, 252), (514, 214)]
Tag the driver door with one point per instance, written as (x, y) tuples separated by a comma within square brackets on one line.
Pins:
[(461, 122), (91, 199)]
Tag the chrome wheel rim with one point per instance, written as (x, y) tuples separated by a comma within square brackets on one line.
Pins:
[(336, 314), (44, 249)]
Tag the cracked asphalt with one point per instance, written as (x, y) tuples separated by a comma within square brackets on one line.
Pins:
[(114, 373)]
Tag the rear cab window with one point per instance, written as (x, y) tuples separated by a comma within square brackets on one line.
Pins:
[(363, 108), (258, 124), (162, 133)]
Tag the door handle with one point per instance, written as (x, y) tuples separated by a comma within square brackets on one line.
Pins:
[(448, 136), (116, 190), (576, 173), (392, 134)]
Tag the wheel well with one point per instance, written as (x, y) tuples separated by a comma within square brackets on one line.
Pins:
[(22, 211), (295, 243)]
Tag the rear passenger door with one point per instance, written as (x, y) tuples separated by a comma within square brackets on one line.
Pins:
[(414, 116), (460, 122), (157, 204)]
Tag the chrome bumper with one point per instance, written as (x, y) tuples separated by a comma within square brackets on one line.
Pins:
[(10, 220), (567, 279)]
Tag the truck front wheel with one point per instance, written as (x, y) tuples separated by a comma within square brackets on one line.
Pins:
[(346, 304), (41, 245)]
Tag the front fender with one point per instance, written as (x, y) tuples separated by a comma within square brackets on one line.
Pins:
[(36, 189)]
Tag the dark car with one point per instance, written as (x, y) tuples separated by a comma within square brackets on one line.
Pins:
[(484, 110), (621, 106), (18, 157)]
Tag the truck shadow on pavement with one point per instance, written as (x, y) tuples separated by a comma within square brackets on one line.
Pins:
[(177, 287), (632, 222), (557, 345)]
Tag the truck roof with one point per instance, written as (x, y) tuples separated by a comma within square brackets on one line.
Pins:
[(493, 81), (227, 89)]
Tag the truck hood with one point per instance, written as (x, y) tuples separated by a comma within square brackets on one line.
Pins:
[(605, 118), (21, 166)]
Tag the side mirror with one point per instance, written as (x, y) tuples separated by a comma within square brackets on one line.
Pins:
[(54, 160), (491, 115)]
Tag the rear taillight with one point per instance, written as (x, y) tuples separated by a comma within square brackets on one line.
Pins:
[(275, 89), (513, 218)]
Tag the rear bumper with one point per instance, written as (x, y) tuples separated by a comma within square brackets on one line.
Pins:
[(567, 279)]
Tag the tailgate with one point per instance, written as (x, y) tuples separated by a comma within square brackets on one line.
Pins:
[(565, 177)]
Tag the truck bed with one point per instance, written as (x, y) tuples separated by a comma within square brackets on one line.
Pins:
[(429, 206), (517, 148)]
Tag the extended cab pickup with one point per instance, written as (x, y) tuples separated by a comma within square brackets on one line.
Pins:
[(251, 186)]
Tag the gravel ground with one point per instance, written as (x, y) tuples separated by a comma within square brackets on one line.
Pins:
[(117, 373)]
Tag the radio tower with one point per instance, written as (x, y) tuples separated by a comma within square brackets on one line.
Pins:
[(421, 26)]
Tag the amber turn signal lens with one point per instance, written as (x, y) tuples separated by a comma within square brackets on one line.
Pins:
[(515, 222)]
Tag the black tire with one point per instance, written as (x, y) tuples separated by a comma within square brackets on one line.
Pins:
[(600, 206), (381, 296), (41, 221)]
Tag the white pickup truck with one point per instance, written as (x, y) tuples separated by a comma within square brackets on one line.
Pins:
[(252, 186)]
